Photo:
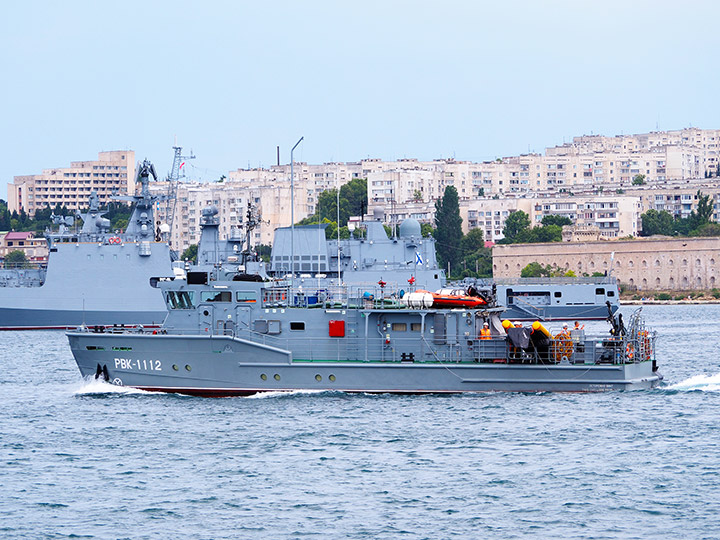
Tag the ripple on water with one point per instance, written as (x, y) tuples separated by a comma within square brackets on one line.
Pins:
[(86, 459)]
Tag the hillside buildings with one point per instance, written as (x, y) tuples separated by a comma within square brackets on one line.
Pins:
[(112, 172), (603, 184), (34, 249)]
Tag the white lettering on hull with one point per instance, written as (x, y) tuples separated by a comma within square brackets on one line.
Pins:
[(138, 365)]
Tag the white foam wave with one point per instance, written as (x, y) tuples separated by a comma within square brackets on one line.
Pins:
[(284, 393), (706, 383), (92, 386)]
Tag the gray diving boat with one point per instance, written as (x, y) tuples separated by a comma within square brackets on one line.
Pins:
[(374, 256), (232, 330), (93, 275), (555, 298)]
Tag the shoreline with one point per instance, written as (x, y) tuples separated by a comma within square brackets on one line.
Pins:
[(652, 301)]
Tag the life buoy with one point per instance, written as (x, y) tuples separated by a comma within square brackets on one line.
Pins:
[(114, 240), (630, 351)]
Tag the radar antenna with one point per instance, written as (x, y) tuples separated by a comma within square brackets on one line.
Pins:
[(252, 221)]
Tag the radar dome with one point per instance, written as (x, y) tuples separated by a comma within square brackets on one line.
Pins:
[(410, 227)]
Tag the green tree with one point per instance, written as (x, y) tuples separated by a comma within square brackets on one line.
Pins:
[(556, 220), (654, 222), (709, 229), (477, 259), (704, 210), (190, 254), (448, 228), (546, 233), (473, 241), (534, 269), (639, 180), (426, 229), (264, 251), (16, 259), (353, 202), (515, 225)]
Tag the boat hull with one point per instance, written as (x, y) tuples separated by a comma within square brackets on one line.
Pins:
[(64, 319), (226, 366)]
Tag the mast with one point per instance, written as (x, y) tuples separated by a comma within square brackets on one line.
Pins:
[(173, 179)]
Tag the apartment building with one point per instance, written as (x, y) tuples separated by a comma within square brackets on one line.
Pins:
[(112, 172), (35, 249), (231, 199), (707, 141), (313, 178)]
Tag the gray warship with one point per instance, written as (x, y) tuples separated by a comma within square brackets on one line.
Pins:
[(375, 256), (233, 330), (93, 275)]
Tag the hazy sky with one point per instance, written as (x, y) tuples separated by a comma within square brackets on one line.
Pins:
[(232, 80)]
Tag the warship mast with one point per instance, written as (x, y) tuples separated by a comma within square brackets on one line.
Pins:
[(173, 179)]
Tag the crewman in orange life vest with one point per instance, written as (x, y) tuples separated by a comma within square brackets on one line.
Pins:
[(485, 332)]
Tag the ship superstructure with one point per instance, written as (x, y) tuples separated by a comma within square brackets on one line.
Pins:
[(93, 275)]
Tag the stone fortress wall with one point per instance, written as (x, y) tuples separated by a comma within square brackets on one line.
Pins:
[(657, 263)]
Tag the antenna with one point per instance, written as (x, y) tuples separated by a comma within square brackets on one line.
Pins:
[(173, 179)]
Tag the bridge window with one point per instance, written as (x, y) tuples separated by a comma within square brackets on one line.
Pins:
[(216, 296), (180, 299), (246, 296), (399, 327)]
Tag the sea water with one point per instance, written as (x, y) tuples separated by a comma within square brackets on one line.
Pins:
[(83, 459)]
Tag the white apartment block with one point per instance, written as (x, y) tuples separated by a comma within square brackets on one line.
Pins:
[(231, 199), (313, 178), (113, 172), (707, 141)]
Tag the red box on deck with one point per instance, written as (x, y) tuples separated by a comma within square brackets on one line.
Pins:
[(337, 328)]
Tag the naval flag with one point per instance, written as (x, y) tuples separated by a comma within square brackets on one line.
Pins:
[(418, 258)]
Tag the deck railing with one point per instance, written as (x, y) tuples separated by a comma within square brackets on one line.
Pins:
[(495, 350)]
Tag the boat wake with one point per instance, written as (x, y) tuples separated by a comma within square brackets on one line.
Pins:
[(98, 387), (288, 393), (704, 383)]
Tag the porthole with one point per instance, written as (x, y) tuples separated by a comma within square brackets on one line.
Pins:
[(263, 377), (276, 377), (206, 313), (332, 378), (175, 367), (318, 378), (187, 367)]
